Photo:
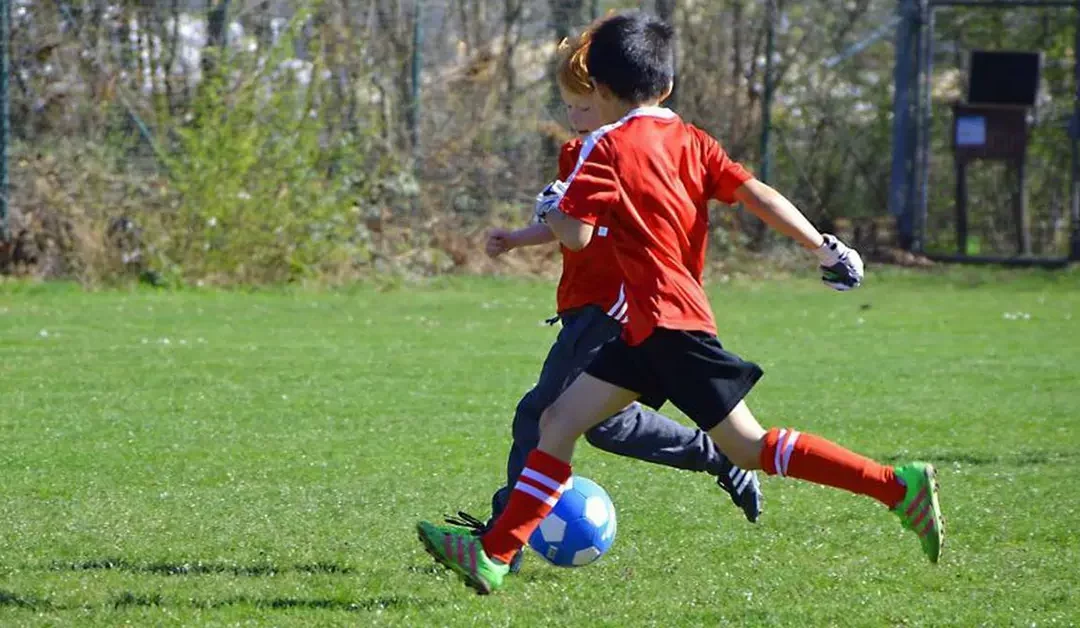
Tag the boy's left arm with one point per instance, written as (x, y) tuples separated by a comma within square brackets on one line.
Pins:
[(841, 266), (574, 234), (570, 232)]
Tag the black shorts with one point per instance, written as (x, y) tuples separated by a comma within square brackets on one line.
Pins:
[(688, 368)]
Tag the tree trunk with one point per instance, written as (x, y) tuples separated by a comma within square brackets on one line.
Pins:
[(737, 71), (665, 10), (170, 56), (564, 15), (510, 19)]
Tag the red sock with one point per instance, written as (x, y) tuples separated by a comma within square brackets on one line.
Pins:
[(535, 494), (812, 458)]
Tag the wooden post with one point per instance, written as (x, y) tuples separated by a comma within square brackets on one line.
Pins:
[(961, 207), (1020, 213), (992, 132)]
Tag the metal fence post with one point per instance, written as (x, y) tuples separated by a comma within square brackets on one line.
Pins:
[(1074, 239), (900, 177), (926, 124), (417, 60), (5, 115)]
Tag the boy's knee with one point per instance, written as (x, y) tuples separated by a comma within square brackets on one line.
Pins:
[(549, 418), (555, 418)]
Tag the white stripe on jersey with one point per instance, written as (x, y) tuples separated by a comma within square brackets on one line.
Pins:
[(594, 137), (619, 302)]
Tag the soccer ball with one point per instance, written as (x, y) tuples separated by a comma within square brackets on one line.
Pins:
[(580, 528)]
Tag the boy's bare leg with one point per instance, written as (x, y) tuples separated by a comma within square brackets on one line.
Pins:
[(805, 456), (740, 437), (909, 490), (484, 562), (789, 452), (644, 434), (585, 404)]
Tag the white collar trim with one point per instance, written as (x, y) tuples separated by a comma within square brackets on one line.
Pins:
[(651, 112)]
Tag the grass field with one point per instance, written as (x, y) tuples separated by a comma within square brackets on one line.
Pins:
[(218, 458)]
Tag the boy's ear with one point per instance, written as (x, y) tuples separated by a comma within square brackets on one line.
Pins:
[(667, 92)]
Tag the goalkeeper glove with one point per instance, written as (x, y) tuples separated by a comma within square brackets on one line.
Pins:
[(841, 266)]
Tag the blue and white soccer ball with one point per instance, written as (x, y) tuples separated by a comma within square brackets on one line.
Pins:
[(580, 528)]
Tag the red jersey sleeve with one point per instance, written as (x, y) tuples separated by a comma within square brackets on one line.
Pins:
[(723, 174), (592, 188)]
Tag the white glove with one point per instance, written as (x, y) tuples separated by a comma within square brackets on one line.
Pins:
[(548, 199), (841, 266)]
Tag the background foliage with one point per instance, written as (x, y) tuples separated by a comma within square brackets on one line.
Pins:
[(270, 140)]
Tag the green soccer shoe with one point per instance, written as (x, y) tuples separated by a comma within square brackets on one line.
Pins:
[(920, 511), (460, 550)]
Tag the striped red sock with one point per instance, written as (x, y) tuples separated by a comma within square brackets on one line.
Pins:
[(808, 457), (537, 490)]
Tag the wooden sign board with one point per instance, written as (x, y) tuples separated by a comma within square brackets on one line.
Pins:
[(989, 131)]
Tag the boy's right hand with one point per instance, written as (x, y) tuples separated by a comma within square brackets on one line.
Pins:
[(499, 241), (841, 266)]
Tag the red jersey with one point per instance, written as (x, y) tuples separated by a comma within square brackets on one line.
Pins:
[(649, 178), (590, 276)]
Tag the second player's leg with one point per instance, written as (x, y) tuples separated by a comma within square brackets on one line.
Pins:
[(644, 434), (547, 469), (581, 336), (526, 434)]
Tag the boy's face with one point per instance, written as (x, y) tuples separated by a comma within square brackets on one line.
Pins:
[(582, 112)]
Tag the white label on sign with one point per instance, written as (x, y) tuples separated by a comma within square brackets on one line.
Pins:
[(971, 131)]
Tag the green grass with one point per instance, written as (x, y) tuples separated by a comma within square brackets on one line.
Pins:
[(217, 458)]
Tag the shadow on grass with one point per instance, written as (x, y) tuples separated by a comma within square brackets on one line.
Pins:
[(10, 599), (376, 603), (128, 599), (1014, 459), (199, 568)]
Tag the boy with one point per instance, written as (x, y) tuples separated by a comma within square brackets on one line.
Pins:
[(650, 175), (590, 304)]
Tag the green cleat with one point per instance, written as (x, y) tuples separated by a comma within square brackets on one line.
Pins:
[(461, 551), (920, 511)]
